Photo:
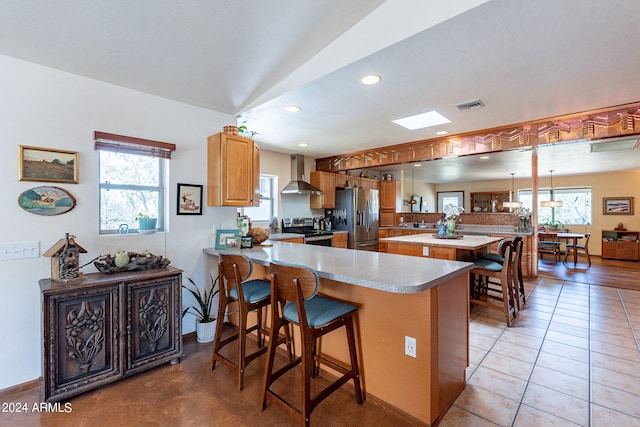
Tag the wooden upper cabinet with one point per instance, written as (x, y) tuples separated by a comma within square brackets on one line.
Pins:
[(256, 176), (325, 181), (484, 201), (390, 195), (341, 180), (232, 170)]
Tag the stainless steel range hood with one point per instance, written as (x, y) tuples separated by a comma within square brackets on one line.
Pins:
[(297, 184)]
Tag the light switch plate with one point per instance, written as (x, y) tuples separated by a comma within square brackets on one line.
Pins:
[(19, 250)]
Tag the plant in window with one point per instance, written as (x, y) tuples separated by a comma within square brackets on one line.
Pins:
[(146, 223)]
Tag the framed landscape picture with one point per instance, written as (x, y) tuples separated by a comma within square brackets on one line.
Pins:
[(189, 199), (223, 235), (617, 205), (47, 165)]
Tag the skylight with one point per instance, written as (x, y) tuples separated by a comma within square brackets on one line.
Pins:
[(424, 120)]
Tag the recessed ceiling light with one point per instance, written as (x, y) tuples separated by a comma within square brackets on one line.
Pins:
[(419, 121), (303, 144), (484, 157), (442, 132), (292, 108), (370, 79)]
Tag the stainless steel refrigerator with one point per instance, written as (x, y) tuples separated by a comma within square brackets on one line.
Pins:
[(357, 211)]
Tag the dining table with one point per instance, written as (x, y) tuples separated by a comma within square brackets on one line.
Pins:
[(574, 238)]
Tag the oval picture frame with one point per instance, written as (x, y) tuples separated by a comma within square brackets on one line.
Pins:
[(46, 200)]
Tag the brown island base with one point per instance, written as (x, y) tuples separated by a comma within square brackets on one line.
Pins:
[(397, 296)]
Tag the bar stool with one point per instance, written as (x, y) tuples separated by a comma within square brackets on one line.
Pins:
[(294, 300), (233, 272), (516, 274), (493, 283)]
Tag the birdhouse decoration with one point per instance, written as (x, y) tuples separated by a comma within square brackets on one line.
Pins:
[(65, 258)]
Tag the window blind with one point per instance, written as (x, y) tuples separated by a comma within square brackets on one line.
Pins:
[(130, 145)]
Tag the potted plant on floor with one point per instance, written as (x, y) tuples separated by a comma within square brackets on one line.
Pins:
[(146, 224), (205, 321)]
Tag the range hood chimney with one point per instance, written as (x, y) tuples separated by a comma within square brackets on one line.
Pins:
[(297, 184)]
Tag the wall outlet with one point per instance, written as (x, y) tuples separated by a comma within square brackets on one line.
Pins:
[(410, 346)]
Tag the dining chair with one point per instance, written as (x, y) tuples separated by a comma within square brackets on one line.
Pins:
[(548, 243), (234, 271), (579, 249), (295, 300)]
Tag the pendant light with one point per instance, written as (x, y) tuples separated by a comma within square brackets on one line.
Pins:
[(551, 203), (512, 203)]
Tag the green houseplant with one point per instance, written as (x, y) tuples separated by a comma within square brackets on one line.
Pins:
[(205, 321), (243, 131), (146, 223)]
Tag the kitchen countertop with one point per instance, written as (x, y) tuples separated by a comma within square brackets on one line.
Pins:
[(284, 236), (467, 229), (429, 239), (375, 270)]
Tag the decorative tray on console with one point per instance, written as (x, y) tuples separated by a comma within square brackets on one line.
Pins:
[(455, 236)]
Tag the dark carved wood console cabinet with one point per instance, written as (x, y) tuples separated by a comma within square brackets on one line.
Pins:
[(107, 327)]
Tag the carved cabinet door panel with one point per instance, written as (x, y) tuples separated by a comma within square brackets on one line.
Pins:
[(154, 325), (81, 341)]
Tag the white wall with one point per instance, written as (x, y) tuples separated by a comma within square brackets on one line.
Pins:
[(43, 107)]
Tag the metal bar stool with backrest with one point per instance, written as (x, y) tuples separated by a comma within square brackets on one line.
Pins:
[(580, 249), (493, 284), (233, 272), (294, 300)]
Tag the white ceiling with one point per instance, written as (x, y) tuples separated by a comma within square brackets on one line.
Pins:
[(526, 60)]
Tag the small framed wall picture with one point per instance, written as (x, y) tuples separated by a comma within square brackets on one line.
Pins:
[(223, 235), (189, 199), (47, 165), (617, 206)]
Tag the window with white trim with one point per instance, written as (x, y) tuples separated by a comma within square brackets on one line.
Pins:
[(268, 201), (132, 181), (575, 209)]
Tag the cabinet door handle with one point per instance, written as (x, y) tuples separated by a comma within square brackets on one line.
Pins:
[(116, 332)]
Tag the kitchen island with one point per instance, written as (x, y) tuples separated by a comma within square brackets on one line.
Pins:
[(430, 245), (397, 297)]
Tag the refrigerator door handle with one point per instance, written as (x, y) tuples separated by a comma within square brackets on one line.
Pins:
[(368, 216)]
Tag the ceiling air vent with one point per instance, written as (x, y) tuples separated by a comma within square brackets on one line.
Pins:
[(471, 105)]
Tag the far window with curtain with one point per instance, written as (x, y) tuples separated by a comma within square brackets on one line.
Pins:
[(132, 181)]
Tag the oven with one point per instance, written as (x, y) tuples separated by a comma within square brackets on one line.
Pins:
[(305, 227), (323, 239)]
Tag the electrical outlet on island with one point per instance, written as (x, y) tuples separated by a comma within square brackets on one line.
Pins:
[(410, 346)]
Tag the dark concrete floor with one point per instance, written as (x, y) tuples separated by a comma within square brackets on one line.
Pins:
[(189, 394)]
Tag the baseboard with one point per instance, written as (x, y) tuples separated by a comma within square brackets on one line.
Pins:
[(19, 388)]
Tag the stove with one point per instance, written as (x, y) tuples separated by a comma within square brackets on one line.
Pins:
[(304, 226)]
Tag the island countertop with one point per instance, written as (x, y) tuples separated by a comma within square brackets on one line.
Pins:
[(429, 239), (385, 272)]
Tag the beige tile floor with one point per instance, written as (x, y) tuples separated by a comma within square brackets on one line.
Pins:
[(570, 359)]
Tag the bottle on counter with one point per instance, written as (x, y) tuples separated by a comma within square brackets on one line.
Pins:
[(322, 223), (442, 231)]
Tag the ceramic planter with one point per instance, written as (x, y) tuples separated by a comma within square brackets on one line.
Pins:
[(205, 331)]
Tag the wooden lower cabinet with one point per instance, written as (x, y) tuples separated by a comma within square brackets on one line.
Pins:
[(618, 244), (106, 327), (340, 240)]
